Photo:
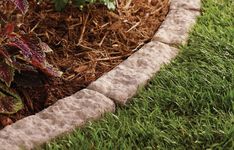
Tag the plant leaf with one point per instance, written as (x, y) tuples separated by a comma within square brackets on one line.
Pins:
[(10, 102), (60, 4), (6, 67), (45, 47), (33, 54), (9, 28), (6, 73), (22, 5)]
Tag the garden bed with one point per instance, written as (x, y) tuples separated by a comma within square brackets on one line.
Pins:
[(86, 44)]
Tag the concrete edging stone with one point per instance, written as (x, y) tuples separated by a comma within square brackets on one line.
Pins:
[(65, 115), (122, 83), (116, 86)]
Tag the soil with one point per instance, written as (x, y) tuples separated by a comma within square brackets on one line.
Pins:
[(86, 44)]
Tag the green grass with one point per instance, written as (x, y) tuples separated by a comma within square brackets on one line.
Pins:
[(188, 105)]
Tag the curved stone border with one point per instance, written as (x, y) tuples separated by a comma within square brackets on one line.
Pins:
[(116, 86), (122, 83)]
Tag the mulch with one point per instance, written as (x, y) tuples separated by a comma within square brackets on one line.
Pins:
[(86, 44)]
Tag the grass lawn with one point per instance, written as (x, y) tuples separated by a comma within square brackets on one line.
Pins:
[(188, 105)]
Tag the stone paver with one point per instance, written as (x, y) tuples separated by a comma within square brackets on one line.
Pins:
[(186, 4), (175, 29), (122, 82), (63, 116)]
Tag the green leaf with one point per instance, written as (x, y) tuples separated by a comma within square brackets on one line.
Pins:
[(78, 2), (6, 73), (60, 4), (10, 101)]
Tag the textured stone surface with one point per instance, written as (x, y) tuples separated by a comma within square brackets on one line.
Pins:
[(60, 118), (186, 4), (175, 29), (122, 82)]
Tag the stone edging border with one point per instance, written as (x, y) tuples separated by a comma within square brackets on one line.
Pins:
[(116, 86)]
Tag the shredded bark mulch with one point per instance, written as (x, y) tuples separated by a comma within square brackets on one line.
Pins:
[(86, 44)]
